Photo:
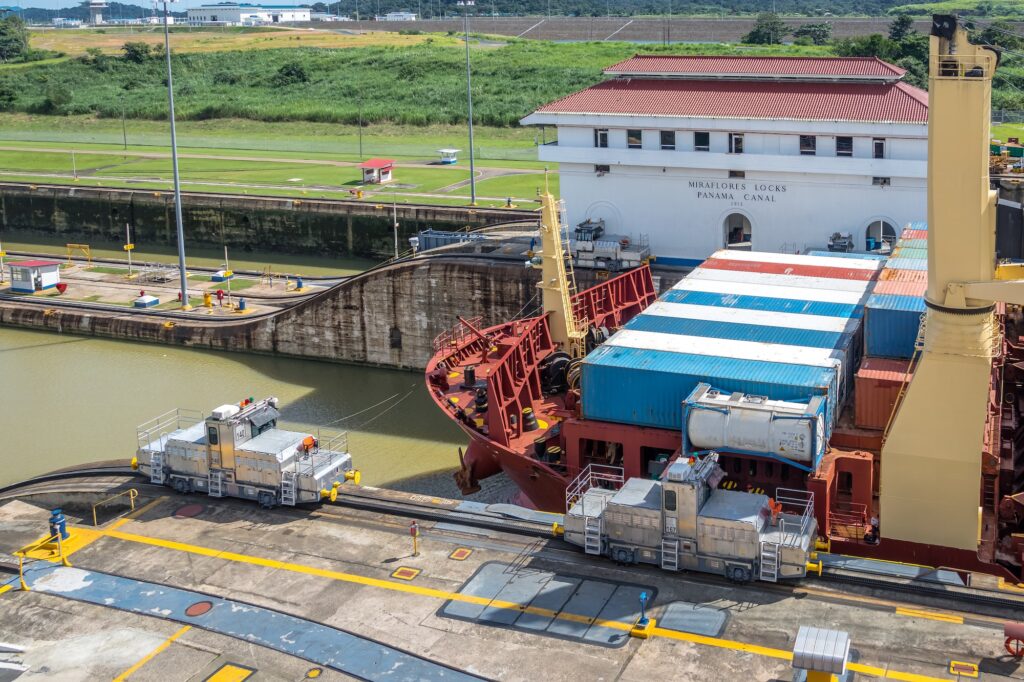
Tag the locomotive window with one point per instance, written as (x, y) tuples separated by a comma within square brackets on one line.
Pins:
[(737, 466), (769, 469), (211, 435), (670, 500), (753, 468)]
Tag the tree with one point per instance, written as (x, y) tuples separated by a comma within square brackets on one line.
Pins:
[(901, 27), (13, 38), (769, 30), (1001, 34), (8, 96), (874, 45), (819, 34), (137, 52)]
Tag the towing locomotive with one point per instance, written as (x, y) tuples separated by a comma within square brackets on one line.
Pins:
[(685, 522), (238, 451)]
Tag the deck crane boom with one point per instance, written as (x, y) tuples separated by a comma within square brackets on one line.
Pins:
[(555, 284)]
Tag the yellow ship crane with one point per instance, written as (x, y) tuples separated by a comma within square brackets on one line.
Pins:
[(557, 282), (931, 460)]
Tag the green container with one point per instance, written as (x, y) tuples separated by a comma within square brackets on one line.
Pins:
[(912, 244), (904, 252), (995, 149), (1016, 151)]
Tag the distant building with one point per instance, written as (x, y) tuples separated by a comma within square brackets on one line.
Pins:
[(28, 276), (156, 20), (763, 153), (398, 16), (64, 22), (324, 16), (245, 14), (96, 8)]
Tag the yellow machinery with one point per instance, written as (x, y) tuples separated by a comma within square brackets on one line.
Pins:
[(932, 457), (557, 283)]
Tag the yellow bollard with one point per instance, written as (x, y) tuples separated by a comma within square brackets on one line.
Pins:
[(207, 299)]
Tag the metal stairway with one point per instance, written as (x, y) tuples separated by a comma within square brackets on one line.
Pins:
[(215, 483), (670, 554), (288, 488), (769, 562), (592, 535), (156, 468)]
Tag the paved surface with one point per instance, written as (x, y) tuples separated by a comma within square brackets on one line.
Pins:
[(354, 572)]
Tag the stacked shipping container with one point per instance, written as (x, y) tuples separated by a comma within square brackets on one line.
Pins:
[(892, 319), (782, 326)]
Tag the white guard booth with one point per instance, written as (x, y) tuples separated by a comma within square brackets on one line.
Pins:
[(29, 276)]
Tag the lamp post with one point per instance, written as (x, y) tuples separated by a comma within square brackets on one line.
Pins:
[(469, 102), (174, 165)]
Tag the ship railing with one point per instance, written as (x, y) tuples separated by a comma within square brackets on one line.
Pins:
[(963, 65), (849, 521), (593, 475), (329, 443), (158, 427), (450, 339), (798, 503)]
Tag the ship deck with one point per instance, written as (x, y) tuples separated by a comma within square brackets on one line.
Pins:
[(193, 588)]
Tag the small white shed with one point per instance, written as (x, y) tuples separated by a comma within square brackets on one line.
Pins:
[(29, 276)]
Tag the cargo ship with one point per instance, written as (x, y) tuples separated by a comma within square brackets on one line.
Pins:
[(885, 387)]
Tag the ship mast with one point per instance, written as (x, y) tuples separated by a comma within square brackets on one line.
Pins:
[(555, 285), (932, 457)]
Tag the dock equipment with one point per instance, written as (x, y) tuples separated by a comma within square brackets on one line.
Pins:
[(820, 654)]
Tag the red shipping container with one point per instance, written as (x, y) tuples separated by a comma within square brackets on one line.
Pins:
[(894, 275), (901, 288), (876, 388), (914, 234), (837, 272)]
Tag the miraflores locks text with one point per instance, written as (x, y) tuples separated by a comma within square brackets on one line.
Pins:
[(756, 191)]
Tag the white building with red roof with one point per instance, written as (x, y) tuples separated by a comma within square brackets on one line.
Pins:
[(763, 153)]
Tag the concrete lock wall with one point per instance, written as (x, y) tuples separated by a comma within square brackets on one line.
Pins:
[(388, 317), (321, 226)]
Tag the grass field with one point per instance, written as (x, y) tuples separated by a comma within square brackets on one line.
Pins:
[(1001, 132), (110, 40)]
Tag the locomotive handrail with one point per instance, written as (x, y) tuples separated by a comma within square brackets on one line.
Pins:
[(178, 417)]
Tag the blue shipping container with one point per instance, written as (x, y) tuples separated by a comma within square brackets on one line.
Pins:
[(902, 252), (918, 225), (891, 324), (907, 263), (842, 254), (785, 336), (775, 305), (647, 388)]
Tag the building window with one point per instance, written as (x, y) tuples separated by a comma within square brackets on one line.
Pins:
[(878, 148), (808, 145), (735, 143), (668, 139), (601, 137), (737, 174), (601, 169), (881, 182), (702, 142), (879, 232), (635, 139), (844, 146), (670, 500)]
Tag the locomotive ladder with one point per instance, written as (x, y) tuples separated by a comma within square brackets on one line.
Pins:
[(288, 488), (769, 562), (670, 554), (156, 467), (215, 482), (592, 534)]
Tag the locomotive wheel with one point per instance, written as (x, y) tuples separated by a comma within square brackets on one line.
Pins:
[(1015, 647), (180, 485), (739, 575), (266, 500), (623, 556)]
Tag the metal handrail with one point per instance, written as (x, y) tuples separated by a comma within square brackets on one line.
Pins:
[(178, 418), (132, 493), (22, 554), (958, 65)]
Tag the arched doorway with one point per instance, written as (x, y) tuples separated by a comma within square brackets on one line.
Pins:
[(738, 232), (880, 235)]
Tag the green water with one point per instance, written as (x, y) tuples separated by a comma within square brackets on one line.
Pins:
[(67, 400)]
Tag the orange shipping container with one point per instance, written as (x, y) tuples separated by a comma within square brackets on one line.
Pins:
[(876, 388), (894, 275), (901, 288)]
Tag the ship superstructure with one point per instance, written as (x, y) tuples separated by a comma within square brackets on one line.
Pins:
[(754, 355)]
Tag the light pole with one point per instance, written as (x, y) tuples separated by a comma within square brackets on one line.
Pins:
[(469, 103), (359, 100), (174, 165)]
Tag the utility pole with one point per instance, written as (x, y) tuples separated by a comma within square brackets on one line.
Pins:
[(359, 100), (469, 102), (124, 129), (182, 273), (394, 219)]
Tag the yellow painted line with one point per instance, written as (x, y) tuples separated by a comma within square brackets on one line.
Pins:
[(230, 672), (142, 510), (482, 601), (152, 654), (1009, 587), (6, 588), (931, 615)]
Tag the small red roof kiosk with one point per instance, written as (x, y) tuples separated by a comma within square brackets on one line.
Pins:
[(377, 171)]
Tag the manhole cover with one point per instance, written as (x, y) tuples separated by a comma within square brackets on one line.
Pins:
[(188, 511), (198, 609)]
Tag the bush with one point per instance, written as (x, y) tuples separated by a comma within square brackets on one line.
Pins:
[(289, 74), (137, 52), (769, 30)]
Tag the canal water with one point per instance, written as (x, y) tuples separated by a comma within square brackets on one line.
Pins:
[(68, 400)]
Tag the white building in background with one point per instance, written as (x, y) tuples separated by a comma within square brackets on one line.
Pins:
[(762, 153), (244, 14), (398, 16), (96, 8)]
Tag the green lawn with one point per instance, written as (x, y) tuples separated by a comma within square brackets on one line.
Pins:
[(196, 256), (522, 188), (1006, 130)]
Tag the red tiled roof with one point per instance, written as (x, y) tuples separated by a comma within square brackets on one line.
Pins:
[(844, 67), (896, 102), (377, 163), (32, 263)]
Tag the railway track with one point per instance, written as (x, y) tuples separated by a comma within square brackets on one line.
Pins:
[(423, 508)]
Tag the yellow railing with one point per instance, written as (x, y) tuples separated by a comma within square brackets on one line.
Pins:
[(23, 552), (962, 65), (132, 493)]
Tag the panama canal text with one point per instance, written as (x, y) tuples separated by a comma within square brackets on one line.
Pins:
[(738, 191)]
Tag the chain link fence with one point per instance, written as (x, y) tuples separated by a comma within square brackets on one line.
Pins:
[(1000, 116)]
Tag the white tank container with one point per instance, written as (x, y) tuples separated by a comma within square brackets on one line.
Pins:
[(752, 424)]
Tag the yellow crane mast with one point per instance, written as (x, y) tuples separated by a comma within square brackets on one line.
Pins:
[(555, 285)]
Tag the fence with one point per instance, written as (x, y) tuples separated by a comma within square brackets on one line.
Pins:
[(1000, 116)]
